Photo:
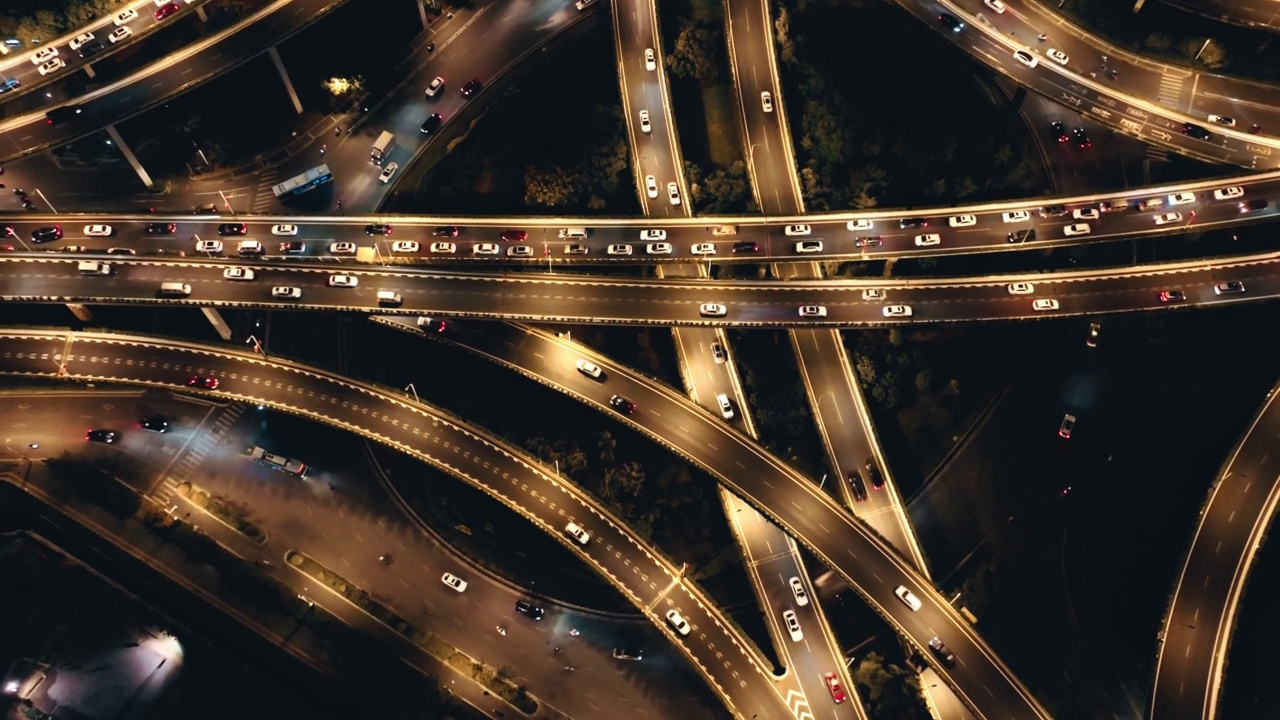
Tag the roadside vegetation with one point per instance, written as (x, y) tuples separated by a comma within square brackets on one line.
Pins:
[(872, 130)]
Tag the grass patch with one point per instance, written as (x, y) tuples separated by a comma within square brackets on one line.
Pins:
[(720, 112)]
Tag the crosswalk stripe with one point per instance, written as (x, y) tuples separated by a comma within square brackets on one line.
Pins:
[(1170, 90)]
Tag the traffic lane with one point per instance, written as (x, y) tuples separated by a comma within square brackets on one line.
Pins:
[(61, 422), (1196, 631), (319, 396)]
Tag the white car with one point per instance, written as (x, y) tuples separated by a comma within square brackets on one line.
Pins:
[(645, 127), (793, 625), (809, 246), (1016, 216), (653, 235), (712, 310), (1086, 214), (574, 531), (1182, 198), (1044, 304), (726, 407), (119, 34), (51, 66), (209, 246), (1168, 218), (454, 582), (651, 185), (43, 55), (284, 291), (650, 62), (286, 230), (1025, 58), (435, 87), (444, 248), (1021, 288), (98, 230), (928, 240), (996, 6), (766, 101), (704, 249), (387, 172), (813, 311), (485, 249), (673, 193), (859, 224), (1076, 229), (588, 368), (342, 248), (520, 251), (618, 249), (658, 248), (1217, 119), (897, 311), (1057, 56), (678, 622), (796, 230), (79, 41), (797, 589), (125, 16), (405, 246), (908, 598), (238, 274), (1228, 193), (962, 220), (343, 281), (873, 294)]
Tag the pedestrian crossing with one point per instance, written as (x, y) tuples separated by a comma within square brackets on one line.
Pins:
[(1156, 153), (1170, 93), (204, 444), (264, 201)]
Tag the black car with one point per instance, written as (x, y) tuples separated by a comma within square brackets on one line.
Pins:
[(873, 472), (622, 404), (626, 653), (856, 486), (1082, 138), (1253, 205), (950, 22), (102, 436), (942, 652), (161, 228), (869, 241), (917, 222), (1018, 236), (1053, 211), (746, 247), (1196, 131), (377, 229), (472, 87), (91, 48), (449, 231), (155, 423), (233, 229), (1059, 131), (432, 123), (533, 612), (1168, 296), (293, 247), (46, 234)]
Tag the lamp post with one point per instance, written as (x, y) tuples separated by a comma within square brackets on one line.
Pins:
[(257, 346)]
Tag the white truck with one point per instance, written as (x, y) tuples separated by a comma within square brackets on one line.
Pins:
[(382, 147)]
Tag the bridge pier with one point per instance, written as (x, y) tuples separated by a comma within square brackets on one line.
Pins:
[(81, 312), (284, 76), (215, 319), (128, 155)]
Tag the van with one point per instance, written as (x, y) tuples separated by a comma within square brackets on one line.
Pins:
[(93, 267), (723, 230), (1150, 203), (175, 289), (389, 298), (574, 233)]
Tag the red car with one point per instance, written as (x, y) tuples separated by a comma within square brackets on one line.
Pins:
[(167, 10), (201, 381), (833, 684), (514, 235)]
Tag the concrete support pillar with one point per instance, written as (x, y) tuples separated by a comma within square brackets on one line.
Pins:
[(80, 311), (88, 70), (215, 319), (128, 155), (284, 75)]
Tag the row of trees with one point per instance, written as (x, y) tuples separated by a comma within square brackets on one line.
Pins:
[(590, 179)]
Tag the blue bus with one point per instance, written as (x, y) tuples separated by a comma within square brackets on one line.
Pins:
[(306, 182)]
